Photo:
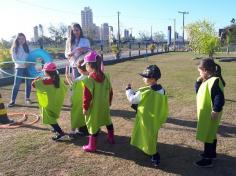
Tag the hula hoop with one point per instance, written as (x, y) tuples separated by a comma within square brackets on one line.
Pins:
[(21, 121), (79, 56), (10, 74), (33, 56)]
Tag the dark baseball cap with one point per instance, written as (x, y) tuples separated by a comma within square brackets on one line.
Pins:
[(152, 71)]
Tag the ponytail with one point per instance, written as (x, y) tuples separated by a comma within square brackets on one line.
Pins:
[(55, 78), (217, 73), (213, 68)]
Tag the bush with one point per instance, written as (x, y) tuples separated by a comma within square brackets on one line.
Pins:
[(116, 50), (152, 47), (5, 56)]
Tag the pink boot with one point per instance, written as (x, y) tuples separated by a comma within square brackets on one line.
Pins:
[(110, 137), (91, 147)]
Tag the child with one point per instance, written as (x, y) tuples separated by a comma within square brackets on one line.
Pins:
[(51, 92), (77, 41), (96, 101), (210, 101), (20, 51), (152, 111), (77, 116)]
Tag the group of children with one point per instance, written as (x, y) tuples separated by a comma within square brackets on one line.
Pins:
[(92, 95)]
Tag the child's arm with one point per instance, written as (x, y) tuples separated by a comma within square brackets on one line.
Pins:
[(132, 96), (86, 99), (198, 84), (218, 99), (111, 96)]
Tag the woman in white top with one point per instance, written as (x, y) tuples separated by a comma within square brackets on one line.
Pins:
[(20, 51), (76, 43)]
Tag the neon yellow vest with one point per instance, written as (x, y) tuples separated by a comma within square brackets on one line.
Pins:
[(206, 127), (77, 116), (99, 109), (152, 113), (50, 100)]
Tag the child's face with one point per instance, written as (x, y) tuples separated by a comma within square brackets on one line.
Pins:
[(203, 73), (149, 81), (89, 68), (82, 72)]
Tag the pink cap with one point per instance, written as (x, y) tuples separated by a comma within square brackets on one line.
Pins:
[(50, 67), (90, 57)]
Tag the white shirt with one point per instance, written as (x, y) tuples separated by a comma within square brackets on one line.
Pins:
[(135, 97), (20, 56), (82, 43)]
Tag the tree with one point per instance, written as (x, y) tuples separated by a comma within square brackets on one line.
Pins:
[(58, 34), (159, 36), (202, 37), (144, 35)]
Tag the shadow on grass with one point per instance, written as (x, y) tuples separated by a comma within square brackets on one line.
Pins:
[(229, 100), (224, 130), (175, 159)]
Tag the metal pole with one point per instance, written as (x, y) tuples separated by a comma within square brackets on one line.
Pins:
[(183, 22), (118, 29)]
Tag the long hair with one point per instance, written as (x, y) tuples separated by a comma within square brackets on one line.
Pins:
[(97, 66), (72, 35), (209, 65), (55, 78), (15, 45)]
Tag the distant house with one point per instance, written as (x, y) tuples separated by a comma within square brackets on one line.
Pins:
[(229, 31)]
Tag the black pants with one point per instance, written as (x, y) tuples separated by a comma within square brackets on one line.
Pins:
[(57, 128), (210, 149), (109, 128)]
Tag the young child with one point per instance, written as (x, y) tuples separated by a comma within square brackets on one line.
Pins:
[(210, 101), (152, 110), (96, 101), (50, 93), (77, 116)]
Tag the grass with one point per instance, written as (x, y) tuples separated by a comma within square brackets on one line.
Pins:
[(30, 151)]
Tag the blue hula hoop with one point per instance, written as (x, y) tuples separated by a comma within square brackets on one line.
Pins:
[(33, 55)]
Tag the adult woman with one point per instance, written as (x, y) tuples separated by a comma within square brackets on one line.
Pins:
[(20, 51), (75, 45)]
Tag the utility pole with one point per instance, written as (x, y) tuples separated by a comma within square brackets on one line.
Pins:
[(174, 34), (184, 13), (151, 33), (118, 29)]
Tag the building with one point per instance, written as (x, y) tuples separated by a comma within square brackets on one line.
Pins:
[(86, 18), (36, 33), (126, 34), (104, 32)]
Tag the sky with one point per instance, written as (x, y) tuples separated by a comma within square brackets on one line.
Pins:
[(139, 15)]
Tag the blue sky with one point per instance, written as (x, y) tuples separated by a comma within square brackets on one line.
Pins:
[(21, 15)]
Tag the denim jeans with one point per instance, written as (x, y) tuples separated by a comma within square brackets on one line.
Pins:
[(22, 72), (75, 73)]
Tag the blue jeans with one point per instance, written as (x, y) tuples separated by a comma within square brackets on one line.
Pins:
[(23, 72), (75, 73)]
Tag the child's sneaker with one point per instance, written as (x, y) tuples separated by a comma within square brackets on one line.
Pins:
[(155, 159), (28, 101), (206, 163), (72, 134), (11, 104), (59, 137)]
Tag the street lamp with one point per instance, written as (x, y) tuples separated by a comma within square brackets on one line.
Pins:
[(183, 22)]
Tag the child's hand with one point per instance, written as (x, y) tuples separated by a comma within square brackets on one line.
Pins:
[(128, 86), (214, 115), (85, 112), (199, 79)]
